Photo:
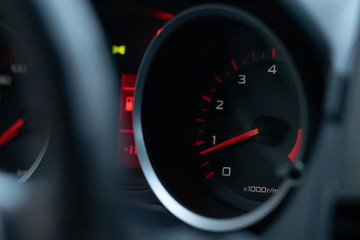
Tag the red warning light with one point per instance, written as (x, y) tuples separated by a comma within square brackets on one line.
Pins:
[(129, 104)]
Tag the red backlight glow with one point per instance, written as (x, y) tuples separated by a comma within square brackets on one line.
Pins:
[(295, 151), (126, 150), (159, 31), (162, 15)]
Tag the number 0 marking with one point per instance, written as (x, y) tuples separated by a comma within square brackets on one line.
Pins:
[(226, 171)]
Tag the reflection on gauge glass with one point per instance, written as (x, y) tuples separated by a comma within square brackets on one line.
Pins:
[(220, 118), (24, 126)]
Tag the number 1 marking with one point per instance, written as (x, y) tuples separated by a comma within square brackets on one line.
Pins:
[(214, 139)]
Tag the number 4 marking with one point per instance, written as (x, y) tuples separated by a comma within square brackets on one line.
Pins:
[(272, 69)]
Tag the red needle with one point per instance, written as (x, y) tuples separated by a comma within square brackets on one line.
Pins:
[(231, 141), (11, 132)]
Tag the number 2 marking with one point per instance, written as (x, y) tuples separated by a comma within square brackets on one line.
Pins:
[(220, 105)]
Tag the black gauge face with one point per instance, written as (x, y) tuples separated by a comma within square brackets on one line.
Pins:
[(219, 118), (24, 127), (247, 126)]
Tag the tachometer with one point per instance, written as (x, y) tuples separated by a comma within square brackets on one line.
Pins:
[(220, 118), (249, 124)]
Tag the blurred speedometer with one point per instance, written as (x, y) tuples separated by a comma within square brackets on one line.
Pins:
[(24, 125)]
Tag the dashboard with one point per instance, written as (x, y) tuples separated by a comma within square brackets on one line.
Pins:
[(223, 119)]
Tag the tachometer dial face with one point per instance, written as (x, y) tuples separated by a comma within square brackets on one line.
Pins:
[(247, 126), (24, 125), (220, 118)]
